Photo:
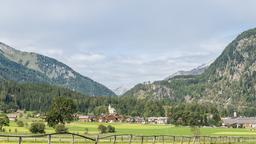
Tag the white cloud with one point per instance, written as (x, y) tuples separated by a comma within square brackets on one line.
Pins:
[(125, 42), (87, 57)]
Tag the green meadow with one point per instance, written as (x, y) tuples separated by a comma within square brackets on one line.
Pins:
[(121, 128), (135, 129)]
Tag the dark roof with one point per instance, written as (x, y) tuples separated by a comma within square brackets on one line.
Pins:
[(239, 120)]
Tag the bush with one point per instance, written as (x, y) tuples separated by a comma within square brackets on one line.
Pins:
[(102, 129), (26, 125), (111, 129), (86, 131), (60, 128), (20, 123), (37, 127)]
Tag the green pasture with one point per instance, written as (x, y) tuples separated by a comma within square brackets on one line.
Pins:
[(121, 128), (136, 129)]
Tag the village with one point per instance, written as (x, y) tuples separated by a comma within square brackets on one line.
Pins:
[(234, 121), (113, 116)]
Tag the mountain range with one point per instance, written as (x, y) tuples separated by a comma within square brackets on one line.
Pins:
[(26, 67), (229, 80), (196, 71)]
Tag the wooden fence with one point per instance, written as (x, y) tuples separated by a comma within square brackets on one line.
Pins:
[(125, 139)]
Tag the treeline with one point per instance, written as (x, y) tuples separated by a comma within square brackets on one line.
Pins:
[(38, 97), (194, 114)]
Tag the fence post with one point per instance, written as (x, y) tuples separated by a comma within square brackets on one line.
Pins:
[(174, 139), (194, 141), (189, 140), (49, 139), (73, 139), (154, 139), (114, 139), (97, 139), (182, 140), (130, 141), (163, 139), (20, 140), (142, 139)]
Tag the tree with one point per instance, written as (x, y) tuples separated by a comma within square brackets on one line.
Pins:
[(4, 121), (20, 123), (153, 108), (37, 128), (111, 129), (61, 111), (195, 114), (60, 128), (102, 129)]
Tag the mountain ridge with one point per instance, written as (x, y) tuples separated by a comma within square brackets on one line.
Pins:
[(51, 71), (229, 80)]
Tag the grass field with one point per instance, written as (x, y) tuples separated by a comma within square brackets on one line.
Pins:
[(121, 128), (138, 129)]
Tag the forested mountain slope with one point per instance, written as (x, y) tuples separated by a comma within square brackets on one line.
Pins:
[(229, 81), (35, 68)]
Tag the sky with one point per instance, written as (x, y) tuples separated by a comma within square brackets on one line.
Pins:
[(121, 43)]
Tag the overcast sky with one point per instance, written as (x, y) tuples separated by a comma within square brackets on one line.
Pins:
[(125, 42)]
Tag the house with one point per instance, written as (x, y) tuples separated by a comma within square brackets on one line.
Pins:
[(12, 116), (139, 120), (158, 120), (162, 120), (110, 118), (87, 118), (239, 122), (130, 120)]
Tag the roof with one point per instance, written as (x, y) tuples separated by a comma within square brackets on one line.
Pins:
[(12, 115), (85, 117), (239, 120)]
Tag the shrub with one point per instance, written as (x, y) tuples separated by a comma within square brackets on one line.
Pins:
[(86, 131), (4, 121), (3, 130), (37, 127), (102, 129), (20, 123), (26, 125), (111, 129), (60, 128)]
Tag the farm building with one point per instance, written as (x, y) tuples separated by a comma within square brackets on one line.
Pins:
[(87, 118), (12, 116), (111, 118), (239, 122), (135, 120), (158, 120), (139, 120)]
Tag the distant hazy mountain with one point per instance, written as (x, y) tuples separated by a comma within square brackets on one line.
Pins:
[(196, 71), (229, 80), (31, 67), (120, 90)]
